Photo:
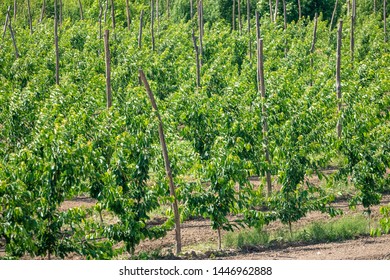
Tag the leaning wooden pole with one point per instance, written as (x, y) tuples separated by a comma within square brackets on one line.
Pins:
[(56, 43), (198, 66), (338, 77), (15, 9), (166, 162), (261, 89), (108, 68), (333, 15), (42, 10), (7, 19)]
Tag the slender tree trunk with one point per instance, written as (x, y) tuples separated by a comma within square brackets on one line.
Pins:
[(166, 162), (234, 15), (141, 18), (239, 17), (352, 36), (152, 22), (15, 9), (29, 16), (299, 9), (384, 20), (108, 68), (81, 10), (261, 89), (248, 17), (42, 11), (128, 14), (338, 77), (113, 16), (313, 45), (7, 19), (276, 10), (333, 15), (219, 239), (56, 42), (196, 48), (270, 10), (100, 18)]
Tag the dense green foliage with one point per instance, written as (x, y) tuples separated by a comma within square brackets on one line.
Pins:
[(59, 142)]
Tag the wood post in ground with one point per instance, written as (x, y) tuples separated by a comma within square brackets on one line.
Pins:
[(42, 10), (248, 18), (201, 30), (338, 77), (56, 43), (60, 17), (299, 10), (100, 18), (168, 10), (166, 163), (113, 16), (374, 8), (128, 17), (313, 44), (108, 68), (384, 20), (270, 10), (141, 18), (29, 16), (191, 9), (152, 23), (285, 27), (261, 89), (257, 26), (196, 48), (234, 15), (239, 17), (81, 10), (105, 12)]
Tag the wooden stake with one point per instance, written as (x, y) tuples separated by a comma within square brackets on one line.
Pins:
[(338, 76), (374, 7), (299, 10), (113, 16), (15, 9), (81, 10), (270, 10), (261, 89), (108, 68), (105, 12), (257, 26), (239, 17), (56, 43), (384, 20), (128, 14), (168, 10), (13, 39), (29, 16), (141, 18), (313, 43), (285, 27), (276, 10), (100, 18), (234, 15), (198, 66), (352, 36), (191, 9), (166, 162), (60, 18), (201, 30)]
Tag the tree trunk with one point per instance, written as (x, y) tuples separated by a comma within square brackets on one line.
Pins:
[(261, 89), (108, 68), (338, 77), (166, 162), (219, 239)]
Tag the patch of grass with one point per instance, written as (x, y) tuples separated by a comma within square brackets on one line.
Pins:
[(341, 229)]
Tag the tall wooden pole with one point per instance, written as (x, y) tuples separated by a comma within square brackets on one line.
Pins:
[(128, 16), (313, 44), (384, 20), (285, 27), (198, 66), (239, 17), (338, 77), (248, 17), (261, 89), (276, 10), (29, 16), (42, 11), (141, 18), (166, 163), (270, 10), (333, 15), (100, 18), (56, 43), (15, 9), (299, 9), (201, 30), (234, 15), (352, 35), (81, 10), (108, 68), (7, 19), (152, 22), (113, 17)]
